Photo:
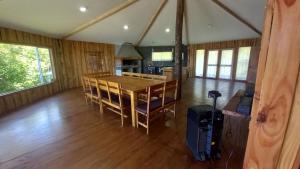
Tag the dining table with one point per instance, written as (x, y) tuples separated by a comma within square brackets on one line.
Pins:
[(132, 86)]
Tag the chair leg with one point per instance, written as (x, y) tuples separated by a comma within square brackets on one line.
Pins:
[(147, 124), (101, 107), (174, 111), (137, 119), (86, 100), (122, 118)]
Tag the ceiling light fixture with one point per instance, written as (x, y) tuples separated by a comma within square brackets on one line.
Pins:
[(83, 9), (167, 30), (125, 27), (210, 26)]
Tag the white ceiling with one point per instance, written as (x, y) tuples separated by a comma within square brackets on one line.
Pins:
[(56, 18)]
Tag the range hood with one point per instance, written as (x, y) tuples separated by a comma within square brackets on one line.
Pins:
[(128, 52)]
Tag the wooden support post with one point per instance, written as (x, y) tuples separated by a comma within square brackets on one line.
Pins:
[(273, 140), (178, 45)]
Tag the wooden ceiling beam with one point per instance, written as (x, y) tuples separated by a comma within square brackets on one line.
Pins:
[(186, 23), (152, 20), (100, 18), (235, 15)]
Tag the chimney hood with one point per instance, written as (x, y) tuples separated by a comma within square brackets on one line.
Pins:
[(128, 52)]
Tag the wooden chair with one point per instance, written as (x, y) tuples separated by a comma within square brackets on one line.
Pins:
[(159, 77), (102, 87), (115, 100), (146, 76), (94, 93), (85, 87), (99, 74), (170, 96), (152, 108), (126, 74), (136, 75)]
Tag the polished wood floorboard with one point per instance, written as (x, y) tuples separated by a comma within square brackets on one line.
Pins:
[(62, 132)]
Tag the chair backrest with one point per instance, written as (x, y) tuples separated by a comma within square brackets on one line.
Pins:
[(102, 87), (155, 91), (126, 74), (85, 83), (159, 77), (171, 89), (114, 93), (146, 76), (93, 83), (137, 75), (99, 74)]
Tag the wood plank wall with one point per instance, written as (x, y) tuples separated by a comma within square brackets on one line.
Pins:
[(233, 44), (69, 64), (273, 140)]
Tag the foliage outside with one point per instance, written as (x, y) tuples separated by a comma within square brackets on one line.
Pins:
[(23, 67)]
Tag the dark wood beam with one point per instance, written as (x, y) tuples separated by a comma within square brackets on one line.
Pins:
[(178, 44), (235, 15), (186, 23)]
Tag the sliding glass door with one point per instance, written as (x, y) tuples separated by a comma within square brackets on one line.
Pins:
[(243, 63), (212, 64), (226, 64), (200, 63)]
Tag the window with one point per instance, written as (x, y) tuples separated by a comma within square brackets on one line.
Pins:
[(242, 63), (226, 64), (23, 67), (200, 62), (212, 64), (162, 56)]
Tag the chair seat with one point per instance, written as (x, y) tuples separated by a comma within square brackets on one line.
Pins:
[(94, 91), (104, 94), (169, 100), (115, 99), (155, 104)]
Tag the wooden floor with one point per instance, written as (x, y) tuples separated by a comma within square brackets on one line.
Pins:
[(62, 132)]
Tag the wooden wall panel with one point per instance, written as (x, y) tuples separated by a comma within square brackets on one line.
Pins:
[(234, 44), (274, 102), (75, 63), (68, 59)]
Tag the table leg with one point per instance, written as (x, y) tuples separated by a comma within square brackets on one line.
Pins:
[(133, 98)]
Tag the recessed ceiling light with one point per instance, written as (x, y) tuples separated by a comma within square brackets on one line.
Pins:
[(210, 26), (125, 27), (167, 30), (83, 9)]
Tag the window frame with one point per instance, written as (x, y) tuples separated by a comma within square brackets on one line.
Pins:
[(231, 66), (172, 57), (207, 64), (203, 66), (50, 48), (236, 62)]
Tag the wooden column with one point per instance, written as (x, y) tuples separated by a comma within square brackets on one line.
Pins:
[(273, 140), (178, 44)]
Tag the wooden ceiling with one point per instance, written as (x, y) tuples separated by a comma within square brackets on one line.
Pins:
[(207, 20)]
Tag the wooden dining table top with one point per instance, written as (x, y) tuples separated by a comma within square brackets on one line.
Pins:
[(132, 83)]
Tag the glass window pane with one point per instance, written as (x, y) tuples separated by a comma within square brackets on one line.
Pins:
[(23, 67), (211, 71), (226, 58), (242, 63), (213, 57), (162, 56), (225, 72), (199, 62)]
